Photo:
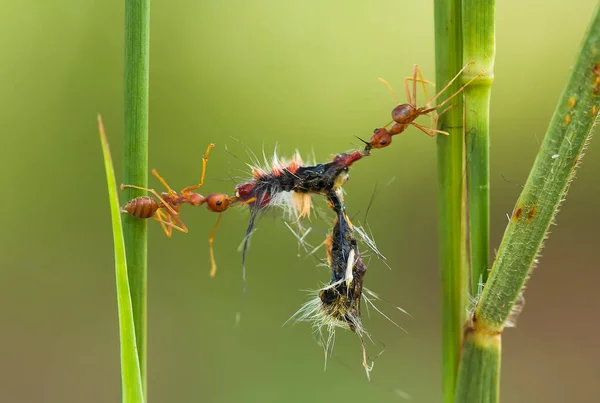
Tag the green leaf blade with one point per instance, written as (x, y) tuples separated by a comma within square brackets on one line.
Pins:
[(131, 379), (546, 187)]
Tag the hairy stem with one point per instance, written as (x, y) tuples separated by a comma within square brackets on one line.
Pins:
[(482, 353), (546, 187)]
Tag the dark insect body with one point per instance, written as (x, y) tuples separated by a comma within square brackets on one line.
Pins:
[(165, 208), (316, 179), (404, 115), (341, 299), (302, 181), (338, 303)]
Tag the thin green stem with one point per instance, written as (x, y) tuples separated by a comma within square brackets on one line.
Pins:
[(452, 199), (478, 38), (137, 50)]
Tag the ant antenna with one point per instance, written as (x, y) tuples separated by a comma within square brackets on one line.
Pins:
[(391, 89)]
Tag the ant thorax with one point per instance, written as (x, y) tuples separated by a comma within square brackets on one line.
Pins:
[(170, 200)]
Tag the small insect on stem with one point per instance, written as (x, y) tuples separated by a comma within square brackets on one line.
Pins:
[(404, 115), (165, 208)]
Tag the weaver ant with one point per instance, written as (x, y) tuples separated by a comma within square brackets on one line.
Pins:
[(166, 209), (404, 115)]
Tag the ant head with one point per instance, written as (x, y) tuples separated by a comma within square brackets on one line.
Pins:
[(196, 199), (381, 138), (346, 160), (217, 202)]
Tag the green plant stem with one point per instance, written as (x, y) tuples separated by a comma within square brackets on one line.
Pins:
[(478, 38), (137, 49), (452, 197), (480, 383), (554, 168), (131, 379), (546, 187)]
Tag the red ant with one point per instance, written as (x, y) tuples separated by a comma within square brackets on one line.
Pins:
[(404, 115), (166, 209)]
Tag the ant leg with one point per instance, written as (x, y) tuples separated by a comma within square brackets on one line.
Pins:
[(428, 130), (450, 83), (481, 73), (178, 224), (406, 90), (165, 227), (204, 161), (420, 80), (414, 88), (213, 264), (391, 90), (155, 193), (423, 83), (435, 117), (249, 201), (414, 85), (169, 190)]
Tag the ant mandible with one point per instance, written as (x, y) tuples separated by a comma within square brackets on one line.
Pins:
[(404, 115), (166, 209)]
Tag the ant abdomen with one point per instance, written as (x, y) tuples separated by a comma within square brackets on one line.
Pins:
[(141, 207), (404, 113)]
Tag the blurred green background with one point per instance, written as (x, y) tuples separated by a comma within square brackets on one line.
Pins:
[(301, 75)]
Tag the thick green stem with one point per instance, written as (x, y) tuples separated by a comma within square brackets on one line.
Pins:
[(137, 49), (479, 380), (452, 199), (478, 46), (554, 168)]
